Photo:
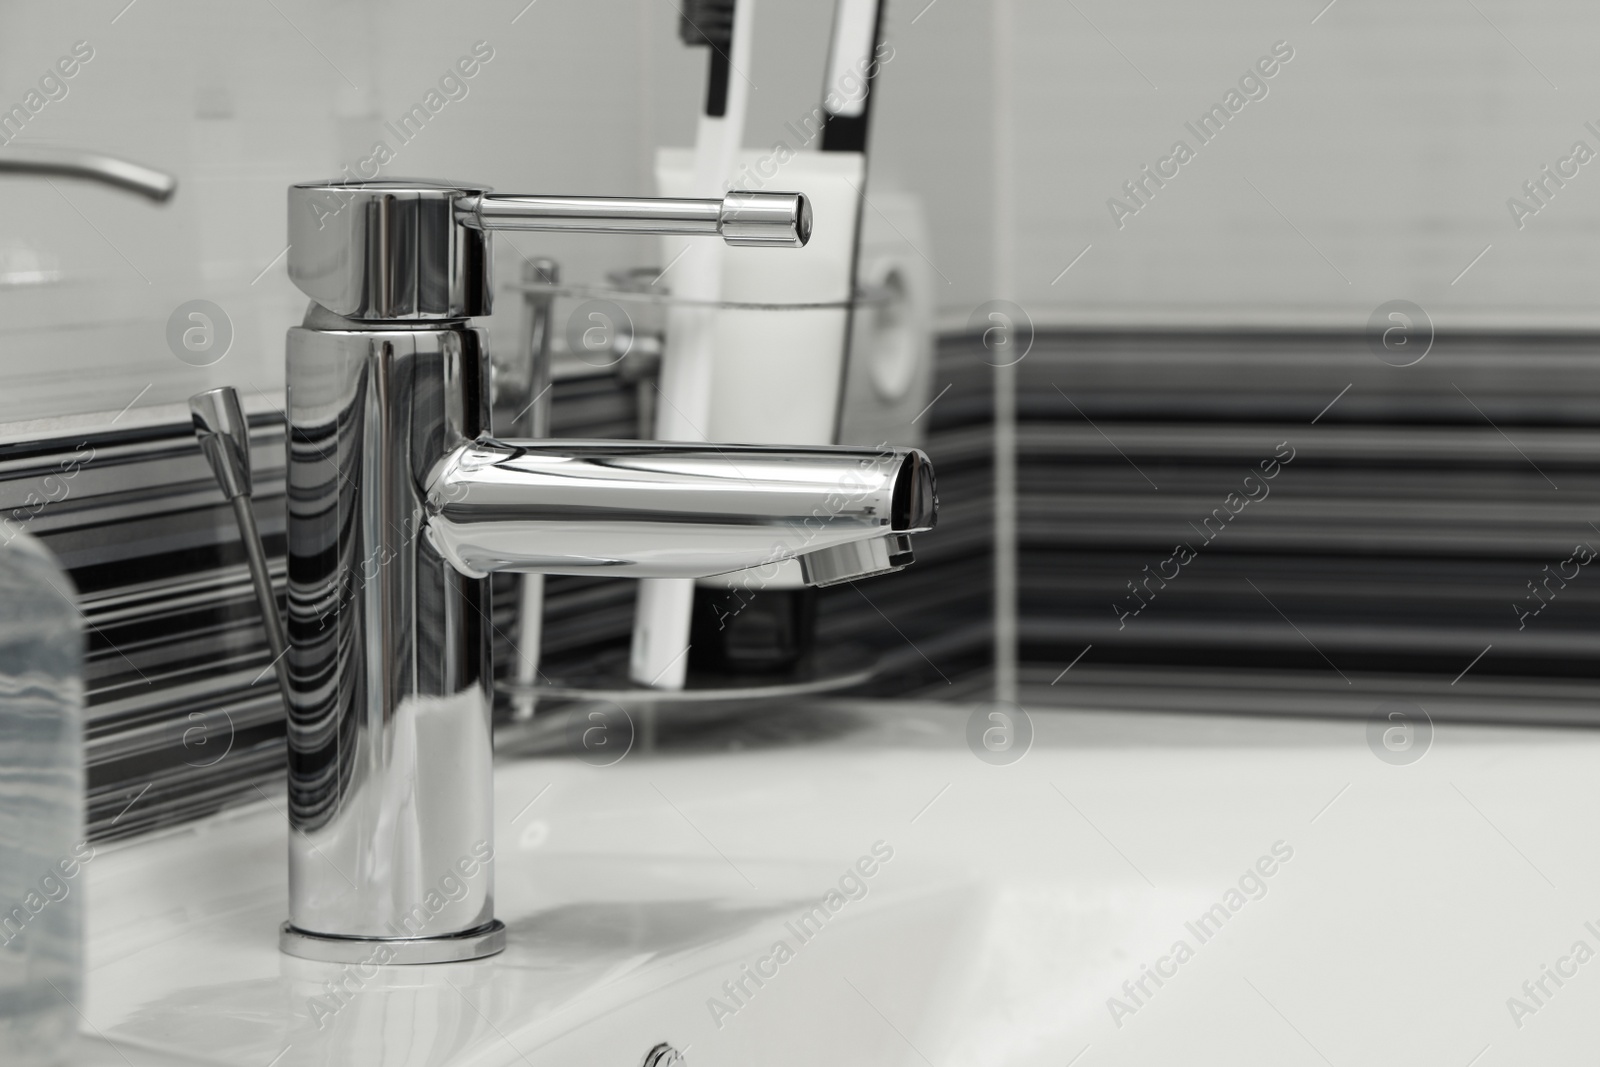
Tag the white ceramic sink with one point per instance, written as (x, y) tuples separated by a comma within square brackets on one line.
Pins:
[(1018, 901)]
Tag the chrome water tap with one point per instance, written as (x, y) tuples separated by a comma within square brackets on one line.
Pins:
[(401, 505)]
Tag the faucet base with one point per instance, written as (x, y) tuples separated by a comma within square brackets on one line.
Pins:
[(486, 940)]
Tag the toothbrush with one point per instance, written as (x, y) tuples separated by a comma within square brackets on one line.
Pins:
[(785, 382), (857, 34), (857, 27), (659, 656)]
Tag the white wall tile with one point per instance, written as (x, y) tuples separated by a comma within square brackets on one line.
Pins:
[(1389, 144)]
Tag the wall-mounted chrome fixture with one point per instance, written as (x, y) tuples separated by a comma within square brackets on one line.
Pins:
[(88, 166), (224, 436), (401, 504)]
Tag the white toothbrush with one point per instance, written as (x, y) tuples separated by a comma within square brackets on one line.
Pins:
[(660, 650)]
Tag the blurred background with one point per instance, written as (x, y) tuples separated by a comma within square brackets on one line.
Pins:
[(1377, 166), (1296, 420)]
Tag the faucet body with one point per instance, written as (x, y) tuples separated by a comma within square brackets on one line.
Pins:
[(389, 742), (400, 506)]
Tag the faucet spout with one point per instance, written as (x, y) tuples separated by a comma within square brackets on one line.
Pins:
[(662, 510)]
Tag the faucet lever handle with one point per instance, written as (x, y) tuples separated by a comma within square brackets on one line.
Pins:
[(739, 218), (395, 251)]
